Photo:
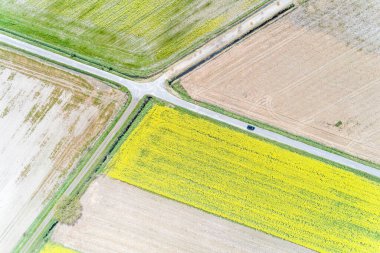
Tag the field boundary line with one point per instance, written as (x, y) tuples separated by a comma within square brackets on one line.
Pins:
[(136, 74), (70, 178), (180, 91), (61, 65), (230, 44)]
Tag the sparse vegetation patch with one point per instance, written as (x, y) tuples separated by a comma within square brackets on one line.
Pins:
[(68, 210)]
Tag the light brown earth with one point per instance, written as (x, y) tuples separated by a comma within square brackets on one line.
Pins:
[(314, 67), (118, 217), (48, 118)]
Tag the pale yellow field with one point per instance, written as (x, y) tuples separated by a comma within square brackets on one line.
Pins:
[(55, 248), (236, 176)]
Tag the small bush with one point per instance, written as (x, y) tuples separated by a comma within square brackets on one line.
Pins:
[(68, 210), (339, 123)]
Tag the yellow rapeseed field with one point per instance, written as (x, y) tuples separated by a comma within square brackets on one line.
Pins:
[(55, 248), (250, 181)]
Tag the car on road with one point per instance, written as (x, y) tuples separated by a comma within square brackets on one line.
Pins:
[(250, 127)]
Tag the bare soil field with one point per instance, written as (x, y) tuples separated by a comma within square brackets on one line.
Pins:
[(314, 72), (118, 217), (48, 118)]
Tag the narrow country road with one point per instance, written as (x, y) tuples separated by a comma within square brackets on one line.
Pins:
[(158, 89)]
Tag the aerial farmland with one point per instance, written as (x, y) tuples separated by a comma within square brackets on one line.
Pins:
[(189, 126), (313, 72), (138, 38), (48, 118), (118, 216), (198, 162), (192, 160)]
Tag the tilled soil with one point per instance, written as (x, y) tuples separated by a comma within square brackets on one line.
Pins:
[(118, 217), (314, 72)]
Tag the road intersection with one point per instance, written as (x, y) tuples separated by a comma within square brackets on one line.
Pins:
[(158, 88)]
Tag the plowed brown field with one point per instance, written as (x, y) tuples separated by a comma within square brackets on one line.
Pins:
[(314, 72)]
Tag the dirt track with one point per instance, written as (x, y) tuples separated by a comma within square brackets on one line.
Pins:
[(121, 218), (311, 69)]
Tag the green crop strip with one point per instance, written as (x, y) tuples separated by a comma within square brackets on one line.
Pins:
[(135, 38)]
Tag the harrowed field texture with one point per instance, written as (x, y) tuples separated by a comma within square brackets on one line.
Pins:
[(131, 36), (314, 73), (248, 180)]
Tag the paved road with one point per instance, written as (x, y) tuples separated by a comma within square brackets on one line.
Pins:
[(271, 135), (158, 89)]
